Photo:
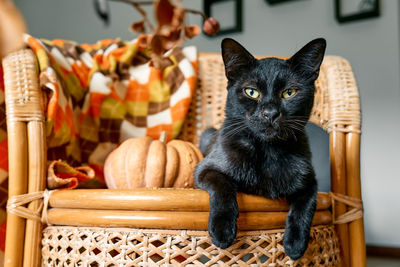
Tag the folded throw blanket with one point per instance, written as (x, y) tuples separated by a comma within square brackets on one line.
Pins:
[(99, 95)]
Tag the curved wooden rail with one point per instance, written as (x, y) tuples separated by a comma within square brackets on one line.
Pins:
[(163, 199), (170, 219)]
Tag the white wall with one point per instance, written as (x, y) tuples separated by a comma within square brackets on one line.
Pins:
[(371, 46)]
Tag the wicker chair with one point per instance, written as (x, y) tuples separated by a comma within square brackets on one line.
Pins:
[(168, 226)]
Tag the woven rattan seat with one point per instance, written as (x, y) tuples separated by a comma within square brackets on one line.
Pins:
[(168, 226)]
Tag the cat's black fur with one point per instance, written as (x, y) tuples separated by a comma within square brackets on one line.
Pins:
[(262, 147)]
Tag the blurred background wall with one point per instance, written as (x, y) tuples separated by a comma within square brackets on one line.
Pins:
[(372, 47)]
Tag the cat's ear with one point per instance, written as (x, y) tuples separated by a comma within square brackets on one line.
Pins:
[(308, 60), (235, 56)]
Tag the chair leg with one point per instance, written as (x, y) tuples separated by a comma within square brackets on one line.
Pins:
[(356, 228), (337, 142), (25, 125), (37, 180), (17, 184)]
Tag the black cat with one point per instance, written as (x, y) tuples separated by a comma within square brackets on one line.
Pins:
[(262, 147)]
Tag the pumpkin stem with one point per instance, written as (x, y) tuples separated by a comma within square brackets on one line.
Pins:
[(163, 137)]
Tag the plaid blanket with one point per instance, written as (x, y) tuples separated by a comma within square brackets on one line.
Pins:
[(98, 95)]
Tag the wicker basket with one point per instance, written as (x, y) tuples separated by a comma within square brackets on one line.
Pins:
[(112, 232), (84, 246)]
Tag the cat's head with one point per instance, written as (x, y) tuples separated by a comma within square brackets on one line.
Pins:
[(271, 98)]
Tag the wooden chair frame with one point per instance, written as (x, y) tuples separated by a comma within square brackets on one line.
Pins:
[(336, 110)]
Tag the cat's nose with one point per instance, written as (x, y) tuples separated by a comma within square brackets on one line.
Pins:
[(271, 114)]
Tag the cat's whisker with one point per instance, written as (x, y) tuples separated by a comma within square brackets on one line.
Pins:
[(293, 133), (295, 124), (233, 130), (297, 121), (231, 127), (296, 116), (234, 124), (296, 129), (287, 131), (237, 130), (302, 121), (299, 126)]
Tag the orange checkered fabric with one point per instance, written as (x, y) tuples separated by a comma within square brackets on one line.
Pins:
[(98, 95)]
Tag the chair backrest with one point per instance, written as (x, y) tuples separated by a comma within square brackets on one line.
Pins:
[(336, 102), (336, 109)]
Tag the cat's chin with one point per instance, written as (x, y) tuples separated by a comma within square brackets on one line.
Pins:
[(269, 136)]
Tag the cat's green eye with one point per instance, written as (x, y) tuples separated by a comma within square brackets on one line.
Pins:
[(288, 93), (252, 93)]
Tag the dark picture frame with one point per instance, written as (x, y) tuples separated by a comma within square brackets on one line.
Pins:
[(238, 16), (373, 12), (273, 2)]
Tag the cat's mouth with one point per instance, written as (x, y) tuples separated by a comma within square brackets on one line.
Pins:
[(270, 133), (266, 131)]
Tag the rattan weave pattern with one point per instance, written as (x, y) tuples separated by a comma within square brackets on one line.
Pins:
[(343, 98), (208, 102), (23, 100), (81, 246), (336, 102)]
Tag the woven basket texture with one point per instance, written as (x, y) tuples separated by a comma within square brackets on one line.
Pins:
[(82, 246)]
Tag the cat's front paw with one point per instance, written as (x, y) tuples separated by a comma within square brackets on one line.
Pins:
[(295, 243), (222, 229)]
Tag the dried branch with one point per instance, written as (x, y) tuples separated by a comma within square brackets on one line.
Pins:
[(132, 2), (171, 29)]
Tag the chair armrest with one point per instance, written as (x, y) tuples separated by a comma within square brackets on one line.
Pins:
[(27, 153)]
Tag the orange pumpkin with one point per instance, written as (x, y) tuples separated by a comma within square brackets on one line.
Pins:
[(144, 162)]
